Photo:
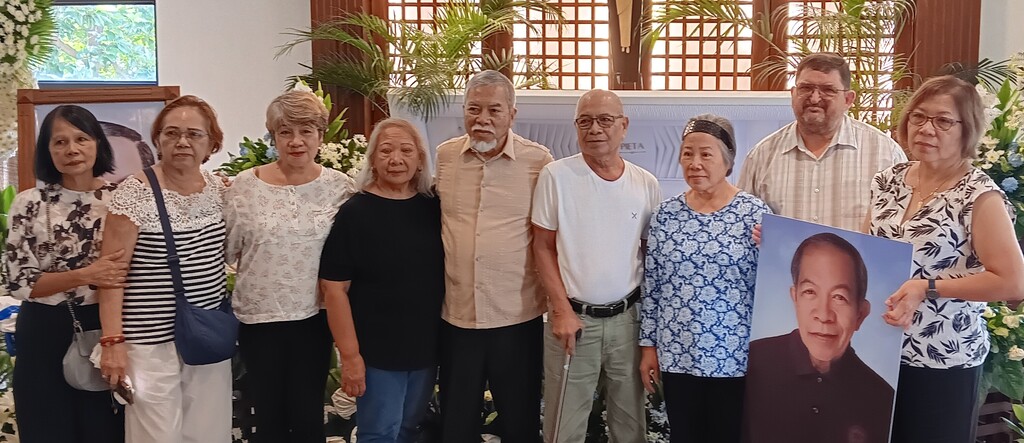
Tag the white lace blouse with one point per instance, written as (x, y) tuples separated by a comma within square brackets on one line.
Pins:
[(197, 225), (276, 234)]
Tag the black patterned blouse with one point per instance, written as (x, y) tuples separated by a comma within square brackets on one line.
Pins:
[(946, 332), (71, 241)]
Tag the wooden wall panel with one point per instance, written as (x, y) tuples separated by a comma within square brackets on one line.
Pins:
[(942, 32), (360, 116)]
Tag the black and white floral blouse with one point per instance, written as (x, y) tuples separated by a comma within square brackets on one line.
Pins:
[(72, 242), (947, 332)]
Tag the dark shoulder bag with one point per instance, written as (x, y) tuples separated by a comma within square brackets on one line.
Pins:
[(202, 336)]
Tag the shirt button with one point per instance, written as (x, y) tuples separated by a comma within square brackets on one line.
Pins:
[(477, 234), (816, 190), (819, 379), (815, 218), (814, 409), (478, 259)]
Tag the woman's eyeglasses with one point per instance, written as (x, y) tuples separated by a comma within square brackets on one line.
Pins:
[(939, 122), (174, 134)]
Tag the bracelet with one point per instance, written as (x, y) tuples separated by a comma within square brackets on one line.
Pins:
[(111, 340)]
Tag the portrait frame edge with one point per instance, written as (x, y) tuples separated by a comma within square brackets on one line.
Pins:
[(29, 98)]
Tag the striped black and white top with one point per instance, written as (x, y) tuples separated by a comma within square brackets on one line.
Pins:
[(198, 224)]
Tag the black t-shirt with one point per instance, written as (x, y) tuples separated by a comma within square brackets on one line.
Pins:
[(391, 251)]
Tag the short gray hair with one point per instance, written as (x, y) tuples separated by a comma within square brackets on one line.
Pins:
[(491, 77), (726, 125), (423, 178)]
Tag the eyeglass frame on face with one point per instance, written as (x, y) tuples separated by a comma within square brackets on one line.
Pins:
[(174, 133), (604, 120), (825, 91), (939, 122)]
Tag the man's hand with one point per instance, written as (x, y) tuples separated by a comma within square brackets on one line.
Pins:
[(650, 372), (564, 324)]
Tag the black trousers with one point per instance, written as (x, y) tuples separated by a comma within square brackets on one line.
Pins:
[(936, 405), (286, 367), (509, 361), (703, 409), (48, 410)]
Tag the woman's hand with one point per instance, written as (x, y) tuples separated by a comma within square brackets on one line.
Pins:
[(353, 375), (108, 271), (756, 235), (903, 303), (650, 372), (114, 363)]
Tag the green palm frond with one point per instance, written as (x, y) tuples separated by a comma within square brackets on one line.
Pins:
[(420, 67), (520, 11), (987, 72), (341, 31), (45, 28), (729, 15)]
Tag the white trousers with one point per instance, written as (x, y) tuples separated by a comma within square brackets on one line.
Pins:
[(175, 402)]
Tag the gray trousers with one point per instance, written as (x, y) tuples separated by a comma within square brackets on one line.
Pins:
[(608, 351)]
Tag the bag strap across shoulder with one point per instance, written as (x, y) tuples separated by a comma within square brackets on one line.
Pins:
[(165, 222)]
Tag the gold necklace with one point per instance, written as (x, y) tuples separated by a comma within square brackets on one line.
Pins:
[(942, 183)]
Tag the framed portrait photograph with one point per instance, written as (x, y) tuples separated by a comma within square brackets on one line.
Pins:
[(126, 115)]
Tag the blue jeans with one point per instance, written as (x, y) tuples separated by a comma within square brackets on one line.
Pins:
[(394, 404)]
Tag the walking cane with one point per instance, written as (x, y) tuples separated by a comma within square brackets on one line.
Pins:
[(565, 382)]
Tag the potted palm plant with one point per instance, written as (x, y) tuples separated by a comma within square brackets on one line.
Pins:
[(420, 66)]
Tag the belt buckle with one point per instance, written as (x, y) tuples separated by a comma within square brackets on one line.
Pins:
[(606, 310)]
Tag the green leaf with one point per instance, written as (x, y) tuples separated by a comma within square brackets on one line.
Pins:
[(1008, 377)]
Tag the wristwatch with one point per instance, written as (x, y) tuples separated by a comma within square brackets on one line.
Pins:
[(931, 293)]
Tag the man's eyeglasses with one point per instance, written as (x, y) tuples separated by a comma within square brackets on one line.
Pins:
[(191, 134), (605, 121), (826, 91), (939, 122)]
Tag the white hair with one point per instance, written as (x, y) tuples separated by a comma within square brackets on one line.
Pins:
[(423, 179)]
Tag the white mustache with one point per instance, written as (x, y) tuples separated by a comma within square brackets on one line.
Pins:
[(483, 128)]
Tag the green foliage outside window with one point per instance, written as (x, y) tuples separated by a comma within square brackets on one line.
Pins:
[(102, 43)]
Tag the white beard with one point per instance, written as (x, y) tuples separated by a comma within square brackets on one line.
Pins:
[(483, 147)]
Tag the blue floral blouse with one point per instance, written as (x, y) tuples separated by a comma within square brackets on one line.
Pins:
[(698, 292)]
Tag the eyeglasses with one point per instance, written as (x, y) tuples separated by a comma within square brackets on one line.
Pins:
[(605, 121), (826, 91), (939, 122), (192, 135)]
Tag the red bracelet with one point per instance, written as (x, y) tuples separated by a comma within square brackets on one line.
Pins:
[(111, 340)]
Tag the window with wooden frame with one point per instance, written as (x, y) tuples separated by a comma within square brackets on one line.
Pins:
[(576, 53), (694, 53), (699, 54)]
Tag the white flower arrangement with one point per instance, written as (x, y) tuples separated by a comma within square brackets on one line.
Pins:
[(999, 152), (25, 30), (347, 155)]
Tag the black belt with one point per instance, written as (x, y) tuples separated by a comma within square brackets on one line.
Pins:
[(609, 310)]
